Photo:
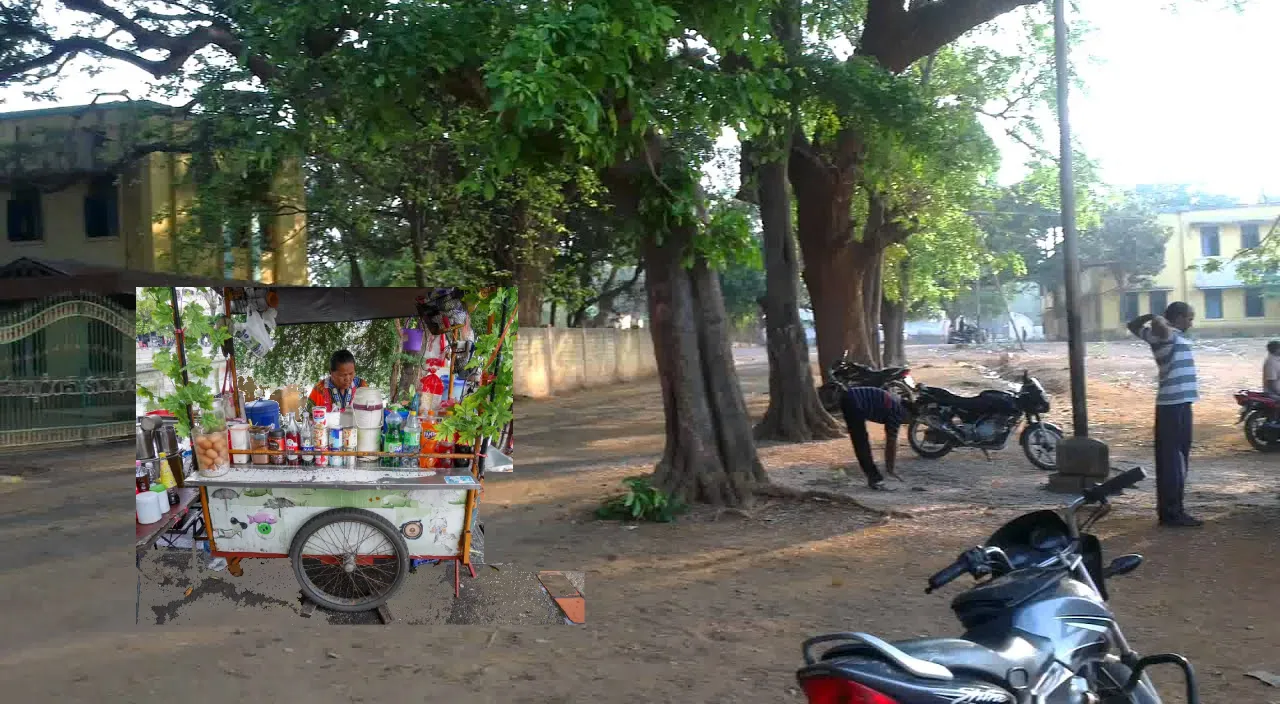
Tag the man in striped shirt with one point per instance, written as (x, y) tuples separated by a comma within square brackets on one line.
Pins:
[(868, 404), (1178, 390)]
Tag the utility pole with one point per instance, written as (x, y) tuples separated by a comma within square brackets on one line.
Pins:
[(1081, 461), (1070, 248)]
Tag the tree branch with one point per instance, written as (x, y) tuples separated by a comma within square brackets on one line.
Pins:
[(180, 48), (897, 37)]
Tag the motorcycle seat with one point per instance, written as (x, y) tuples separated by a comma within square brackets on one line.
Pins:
[(996, 665), (980, 402)]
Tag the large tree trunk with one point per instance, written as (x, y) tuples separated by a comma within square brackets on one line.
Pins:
[(349, 246), (835, 262), (795, 414), (872, 292), (895, 35), (709, 455), (893, 316), (417, 236)]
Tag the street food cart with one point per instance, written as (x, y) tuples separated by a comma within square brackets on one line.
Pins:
[(350, 532)]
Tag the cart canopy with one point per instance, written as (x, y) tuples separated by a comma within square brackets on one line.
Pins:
[(302, 305)]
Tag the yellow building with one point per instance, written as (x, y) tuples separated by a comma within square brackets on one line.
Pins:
[(102, 184), (1225, 306)]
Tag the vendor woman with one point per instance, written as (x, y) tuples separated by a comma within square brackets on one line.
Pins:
[(338, 390)]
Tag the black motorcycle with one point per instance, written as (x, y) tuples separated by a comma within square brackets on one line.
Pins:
[(965, 334), (945, 421), (1039, 630), (845, 374)]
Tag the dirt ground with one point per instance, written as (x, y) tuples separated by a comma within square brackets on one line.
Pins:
[(711, 608)]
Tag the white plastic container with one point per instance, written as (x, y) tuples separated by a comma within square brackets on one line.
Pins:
[(369, 407), (148, 511), (240, 441)]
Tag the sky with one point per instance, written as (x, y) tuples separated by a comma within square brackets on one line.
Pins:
[(1170, 97)]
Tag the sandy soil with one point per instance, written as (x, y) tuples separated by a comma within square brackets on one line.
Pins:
[(709, 609)]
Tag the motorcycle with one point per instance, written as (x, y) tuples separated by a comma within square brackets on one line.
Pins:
[(1038, 630), (895, 380), (945, 421), (966, 335), (1260, 414)]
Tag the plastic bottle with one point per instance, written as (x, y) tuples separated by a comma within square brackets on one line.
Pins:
[(392, 438), (412, 440), (307, 441), (427, 441), (291, 441), (320, 433)]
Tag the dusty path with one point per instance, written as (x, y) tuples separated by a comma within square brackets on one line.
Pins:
[(703, 610)]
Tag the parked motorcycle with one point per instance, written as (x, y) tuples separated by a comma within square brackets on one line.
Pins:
[(895, 380), (945, 421), (1260, 414), (1038, 630), (966, 335)]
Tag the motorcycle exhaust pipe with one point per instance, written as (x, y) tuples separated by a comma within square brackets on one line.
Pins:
[(938, 427)]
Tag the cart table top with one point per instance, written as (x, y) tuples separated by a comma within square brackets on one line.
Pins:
[(149, 533), (339, 478)]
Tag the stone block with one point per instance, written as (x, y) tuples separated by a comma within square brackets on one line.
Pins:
[(1084, 457)]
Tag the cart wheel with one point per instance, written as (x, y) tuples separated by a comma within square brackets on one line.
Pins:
[(349, 560)]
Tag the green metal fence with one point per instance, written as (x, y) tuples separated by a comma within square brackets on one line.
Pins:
[(66, 370)]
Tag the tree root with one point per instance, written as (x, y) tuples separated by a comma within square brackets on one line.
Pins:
[(783, 492)]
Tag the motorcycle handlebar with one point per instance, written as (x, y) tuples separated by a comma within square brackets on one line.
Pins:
[(950, 573), (1115, 485)]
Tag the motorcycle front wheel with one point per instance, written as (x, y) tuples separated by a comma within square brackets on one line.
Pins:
[(1253, 422), (927, 442), (1040, 444)]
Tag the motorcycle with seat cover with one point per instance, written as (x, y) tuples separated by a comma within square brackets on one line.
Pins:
[(1037, 628)]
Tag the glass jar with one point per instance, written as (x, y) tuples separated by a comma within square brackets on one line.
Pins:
[(275, 441), (258, 441), (210, 445)]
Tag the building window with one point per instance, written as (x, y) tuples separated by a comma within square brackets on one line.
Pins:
[(1129, 306), (1213, 304), (25, 223), (102, 207), (1249, 238), (1209, 245), (1159, 301), (1254, 306)]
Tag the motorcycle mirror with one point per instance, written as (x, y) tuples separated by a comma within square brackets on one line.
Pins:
[(1122, 565)]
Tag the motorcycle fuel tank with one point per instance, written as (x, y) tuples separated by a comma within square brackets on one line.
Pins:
[(1070, 616)]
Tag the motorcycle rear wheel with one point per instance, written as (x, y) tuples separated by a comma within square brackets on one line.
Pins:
[(1252, 420), (917, 433)]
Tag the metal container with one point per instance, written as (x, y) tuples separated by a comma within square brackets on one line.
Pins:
[(168, 442), (146, 448), (146, 444)]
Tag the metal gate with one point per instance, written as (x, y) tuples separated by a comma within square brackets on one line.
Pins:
[(66, 370)]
